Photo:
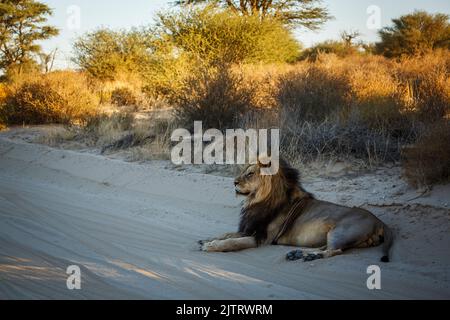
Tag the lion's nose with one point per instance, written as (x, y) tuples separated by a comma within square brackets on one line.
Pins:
[(236, 182)]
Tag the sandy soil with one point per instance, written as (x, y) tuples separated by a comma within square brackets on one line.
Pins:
[(132, 228)]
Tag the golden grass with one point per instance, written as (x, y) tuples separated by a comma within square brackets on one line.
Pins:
[(58, 97), (365, 107), (428, 161)]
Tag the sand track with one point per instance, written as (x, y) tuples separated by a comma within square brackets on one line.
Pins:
[(132, 229)]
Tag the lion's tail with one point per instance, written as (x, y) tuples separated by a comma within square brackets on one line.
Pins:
[(387, 245)]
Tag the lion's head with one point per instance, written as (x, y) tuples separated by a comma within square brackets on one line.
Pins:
[(266, 196), (271, 189)]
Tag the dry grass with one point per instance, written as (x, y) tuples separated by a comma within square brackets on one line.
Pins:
[(428, 161), (123, 97), (3, 92), (59, 97), (216, 96), (263, 81), (313, 93), (103, 130), (3, 95), (147, 139), (359, 108), (424, 83), (55, 137)]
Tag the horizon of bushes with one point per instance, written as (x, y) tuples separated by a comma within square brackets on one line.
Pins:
[(337, 100)]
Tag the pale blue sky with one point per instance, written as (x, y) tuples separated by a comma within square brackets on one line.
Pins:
[(349, 15)]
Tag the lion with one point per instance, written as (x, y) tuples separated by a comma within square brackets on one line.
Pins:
[(278, 211)]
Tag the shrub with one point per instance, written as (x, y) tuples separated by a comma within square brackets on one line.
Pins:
[(123, 97), (217, 97), (3, 95), (3, 92), (102, 129), (375, 95), (105, 53), (332, 139), (425, 84), (60, 97), (169, 70), (148, 139), (428, 161), (312, 93), (339, 48), (345, 108), (263, 79), (221, 36)]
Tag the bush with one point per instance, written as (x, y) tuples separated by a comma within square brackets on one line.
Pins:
[(376, 97), (167, 74), (425, 84), (345, 108), (221, 36), (428, 161), (312, 93), (217, 97), (101, 130), (123, 97), (3, 92), (105, 53), (333, 139), (60, 97), (339, 48), (3, 95)]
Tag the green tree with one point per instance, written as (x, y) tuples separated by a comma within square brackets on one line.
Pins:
[(305, 13), (105, 53), (22, 25), (415, 33), (220, 36)]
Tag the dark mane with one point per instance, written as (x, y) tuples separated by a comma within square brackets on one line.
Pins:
[(256, 217)]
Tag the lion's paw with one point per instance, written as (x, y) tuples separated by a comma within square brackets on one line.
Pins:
[(294, 255), (211, 246), (313, 256)]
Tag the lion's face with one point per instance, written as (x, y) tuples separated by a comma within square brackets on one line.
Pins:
[(249, 181), (268, 189)]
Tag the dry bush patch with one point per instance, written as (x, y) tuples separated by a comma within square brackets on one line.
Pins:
[(428, 161), (359, 108), (59, 97), (217, 97)]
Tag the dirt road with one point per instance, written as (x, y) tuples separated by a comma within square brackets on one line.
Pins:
[(132, 229)]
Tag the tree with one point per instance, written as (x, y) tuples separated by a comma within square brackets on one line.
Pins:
[(304, 13), (415, 33), (220, 36), (105, 53), (22, 24), (47, 60), (348, 37)]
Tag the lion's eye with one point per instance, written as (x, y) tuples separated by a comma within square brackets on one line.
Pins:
[(250, 174)]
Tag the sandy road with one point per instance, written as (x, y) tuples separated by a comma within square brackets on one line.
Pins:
[(132, 229)]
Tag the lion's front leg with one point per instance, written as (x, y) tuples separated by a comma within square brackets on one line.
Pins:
[(229, 235), (231, 244)]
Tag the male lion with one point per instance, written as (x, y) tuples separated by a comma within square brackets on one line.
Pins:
[(277, 210)]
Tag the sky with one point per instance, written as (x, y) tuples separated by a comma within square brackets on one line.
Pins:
[(75, 17)]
